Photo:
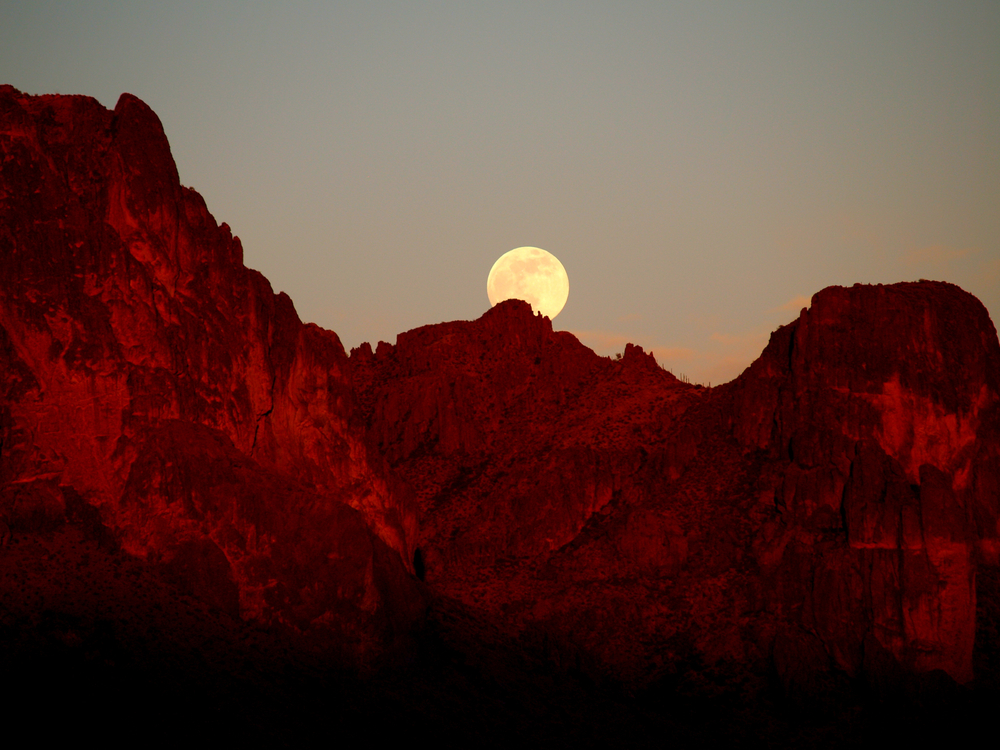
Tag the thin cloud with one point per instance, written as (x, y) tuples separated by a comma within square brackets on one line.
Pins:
[(602, 340), (750, 339), (608, 341), (722, 357), (937, 255), (724, 338), (731, 354), (723, 370), (672, 353), (991, 271), (795, 304)]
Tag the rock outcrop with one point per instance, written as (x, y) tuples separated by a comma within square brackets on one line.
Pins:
[(146, 370), (878, 410)]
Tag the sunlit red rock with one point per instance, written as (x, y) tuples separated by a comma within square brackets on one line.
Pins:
[(879, 405), (146, 369), (829, 496), (832, 511)]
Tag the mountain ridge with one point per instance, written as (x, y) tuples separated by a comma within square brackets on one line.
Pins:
[(828, 518)]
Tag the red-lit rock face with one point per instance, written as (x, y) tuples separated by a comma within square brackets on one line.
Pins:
[(827, 509), (145, 368), (836, 494), (879, 407)]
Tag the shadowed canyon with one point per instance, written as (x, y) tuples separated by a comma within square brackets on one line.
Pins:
[(216, 518)]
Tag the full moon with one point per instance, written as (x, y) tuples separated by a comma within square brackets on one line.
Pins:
[(531, 274)]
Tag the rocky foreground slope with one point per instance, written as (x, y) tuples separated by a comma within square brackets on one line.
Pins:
[(828, 518)]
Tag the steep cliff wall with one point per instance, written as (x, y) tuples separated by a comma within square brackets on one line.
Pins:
[(879, 410), (145, 369)]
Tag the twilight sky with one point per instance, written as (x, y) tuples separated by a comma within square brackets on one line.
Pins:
[(700, 168)]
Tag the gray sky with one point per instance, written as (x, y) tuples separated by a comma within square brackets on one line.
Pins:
[(699, 168)]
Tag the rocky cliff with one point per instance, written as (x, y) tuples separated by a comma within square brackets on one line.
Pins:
[(830, 515), (147, 371), (878, 411), (825, 511)]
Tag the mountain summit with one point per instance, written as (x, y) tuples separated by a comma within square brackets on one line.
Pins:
[(489, 488)]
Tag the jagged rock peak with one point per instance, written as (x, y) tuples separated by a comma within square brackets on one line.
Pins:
[(142, 142), (217, 438)]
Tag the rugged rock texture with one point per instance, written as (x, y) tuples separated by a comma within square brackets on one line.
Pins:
[(526, 424), (828, 519), (878, 408), (825, 511), (145, 370)]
